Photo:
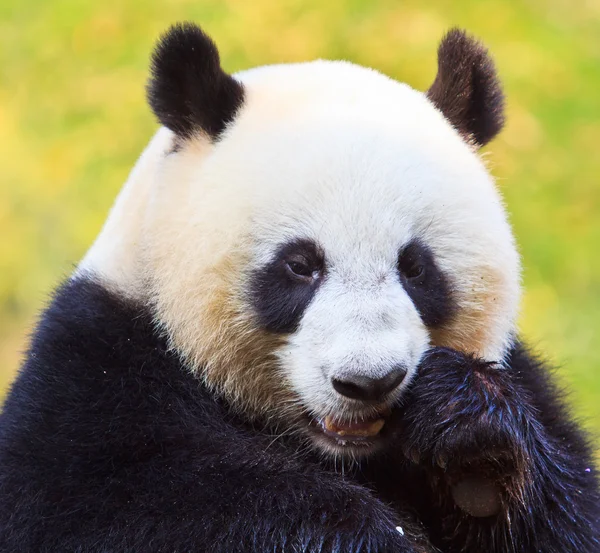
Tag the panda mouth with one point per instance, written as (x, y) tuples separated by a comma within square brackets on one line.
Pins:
[(357, 432)]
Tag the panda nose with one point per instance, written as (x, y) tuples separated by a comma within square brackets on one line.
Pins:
[(369, 389)]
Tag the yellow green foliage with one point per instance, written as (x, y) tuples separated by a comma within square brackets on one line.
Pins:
[(73, 119)]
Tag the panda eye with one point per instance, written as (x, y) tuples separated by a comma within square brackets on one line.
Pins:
[(410, 264), (301, 268), (414, 272)]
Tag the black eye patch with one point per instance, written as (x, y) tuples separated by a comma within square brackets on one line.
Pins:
[(282, 290), (427, 286)]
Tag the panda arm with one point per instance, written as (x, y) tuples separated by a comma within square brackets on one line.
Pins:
[(219, 495), (192, 497), (500, 443)]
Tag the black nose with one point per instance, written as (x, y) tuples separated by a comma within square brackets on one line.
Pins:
[(369, 389)]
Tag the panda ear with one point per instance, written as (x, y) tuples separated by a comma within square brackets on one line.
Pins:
[(188, 91), (466, 88)]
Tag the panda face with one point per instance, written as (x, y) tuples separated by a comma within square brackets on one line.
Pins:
[(353, 335), (356, 324), (362, 253), (303, 249)]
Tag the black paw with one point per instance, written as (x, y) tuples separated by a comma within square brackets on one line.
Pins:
[(466, 417)]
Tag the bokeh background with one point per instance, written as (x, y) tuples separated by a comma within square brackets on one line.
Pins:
[(73, 119)]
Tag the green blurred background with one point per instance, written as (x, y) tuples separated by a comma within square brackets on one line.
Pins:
[(73, 119)]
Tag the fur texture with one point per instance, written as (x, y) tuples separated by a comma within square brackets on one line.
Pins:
[(466, 89), (279, 301), (468, 419), (427, 286), (107, 444), (189, 92)]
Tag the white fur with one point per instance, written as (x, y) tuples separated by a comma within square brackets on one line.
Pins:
[(338, 154)]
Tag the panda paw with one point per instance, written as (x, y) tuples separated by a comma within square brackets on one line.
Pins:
[(466, 418)]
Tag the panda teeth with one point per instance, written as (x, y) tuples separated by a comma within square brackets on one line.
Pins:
[(359, 429)]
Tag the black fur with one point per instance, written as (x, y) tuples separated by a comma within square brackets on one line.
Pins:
[(107, 444), (188, 91), (465, 417), (466, 88), (428, 287), (279, 297)]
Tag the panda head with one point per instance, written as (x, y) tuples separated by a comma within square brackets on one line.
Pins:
[(304, 233)]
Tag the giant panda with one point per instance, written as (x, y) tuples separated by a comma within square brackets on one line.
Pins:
[(296, 333)]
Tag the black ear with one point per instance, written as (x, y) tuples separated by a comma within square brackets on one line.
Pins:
[(188, 91), (466, 88)]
